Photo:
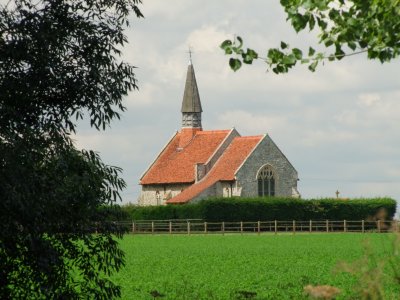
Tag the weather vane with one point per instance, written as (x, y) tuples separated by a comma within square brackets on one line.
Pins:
[(190, 54)]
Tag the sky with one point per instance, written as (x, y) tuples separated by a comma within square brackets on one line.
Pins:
[(339, 126)]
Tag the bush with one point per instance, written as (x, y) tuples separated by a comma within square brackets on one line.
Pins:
[(264, 209), (168, 212), (113, 212)]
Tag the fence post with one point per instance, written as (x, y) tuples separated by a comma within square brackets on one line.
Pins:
[(133, 226), (241, 227), (362, 226), (327, 225), (379, 226), (294, 226), (258, 227), (152, 227), (170, 227), (344, 226), (205, 227), (276, 227), (188, 228), (310, 226), (223, 228)]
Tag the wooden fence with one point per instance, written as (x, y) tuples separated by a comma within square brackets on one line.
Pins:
[(200, 227)]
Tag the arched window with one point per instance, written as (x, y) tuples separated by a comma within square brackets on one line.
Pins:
[(266, 181)]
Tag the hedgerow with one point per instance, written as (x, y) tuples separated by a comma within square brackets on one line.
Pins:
[(273, 208), (167, 212)]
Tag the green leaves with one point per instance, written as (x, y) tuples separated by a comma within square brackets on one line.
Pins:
[(344, 28), (60, 60), (311, 51), (299, 22), (278, 60), (235, 64), (313, 66), (235, 47), (249, 56), (227, 46), (297, 53)]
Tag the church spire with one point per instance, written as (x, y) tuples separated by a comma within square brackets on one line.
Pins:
[(191, 105)]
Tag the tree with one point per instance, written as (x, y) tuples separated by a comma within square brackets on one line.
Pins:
[(344, 28), (59, 61)]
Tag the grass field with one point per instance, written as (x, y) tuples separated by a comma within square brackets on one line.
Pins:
[(222, 267)]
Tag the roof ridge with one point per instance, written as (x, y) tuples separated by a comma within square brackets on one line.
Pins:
[(220, 145), (262, 137), (213, 131), (249, 137)]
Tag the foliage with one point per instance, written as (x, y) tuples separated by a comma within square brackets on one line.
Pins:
[(373, 271), (169, 212), (275, 208), (220, 267), (59, 60), (113, 212), (255, 209), (344, 28), (369, 271)]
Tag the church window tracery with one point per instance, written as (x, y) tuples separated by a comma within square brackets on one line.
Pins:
[(266, 181)]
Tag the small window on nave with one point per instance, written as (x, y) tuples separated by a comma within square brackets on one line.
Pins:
[(266, 181)]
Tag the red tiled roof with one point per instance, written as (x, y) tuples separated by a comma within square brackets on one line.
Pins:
[(224, 169), (175, 164)]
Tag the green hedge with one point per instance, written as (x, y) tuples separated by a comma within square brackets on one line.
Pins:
[(168, 212), (263, 209), (254, 209)]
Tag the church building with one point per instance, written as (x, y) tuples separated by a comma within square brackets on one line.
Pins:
[(196, 163)]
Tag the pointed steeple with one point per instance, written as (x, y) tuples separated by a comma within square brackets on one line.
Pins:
[(191, 105)]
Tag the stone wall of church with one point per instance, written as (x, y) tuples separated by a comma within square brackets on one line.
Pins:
[(219, 189), (229, 189), (267, 153), (159, 194)]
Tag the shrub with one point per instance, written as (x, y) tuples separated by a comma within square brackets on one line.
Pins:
[(273, 208), (168, 212)]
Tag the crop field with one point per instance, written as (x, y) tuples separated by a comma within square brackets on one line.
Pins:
[(246, 267)]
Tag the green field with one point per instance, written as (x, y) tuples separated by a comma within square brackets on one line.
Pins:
[(221, 267)]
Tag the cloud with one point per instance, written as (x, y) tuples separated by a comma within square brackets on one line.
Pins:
[(340, 123), (205, 39), (369, 100), (149, 95), (348, 118), (327, 137), (250, 123)]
